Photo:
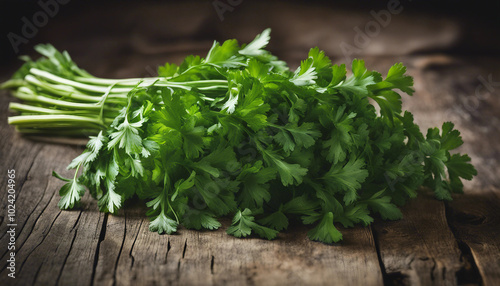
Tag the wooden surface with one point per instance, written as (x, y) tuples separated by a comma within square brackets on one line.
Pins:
[(436, 243)]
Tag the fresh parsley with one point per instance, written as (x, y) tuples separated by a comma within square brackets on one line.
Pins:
[(238, 134)]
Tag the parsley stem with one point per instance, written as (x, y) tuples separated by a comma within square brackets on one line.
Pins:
[(57, 79), (54, 120), (42, 110), (51, 101), (131, 82)]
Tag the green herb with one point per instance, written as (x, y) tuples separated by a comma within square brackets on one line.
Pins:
[(236, 133)]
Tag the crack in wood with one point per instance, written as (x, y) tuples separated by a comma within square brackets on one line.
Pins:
[(212, 265), (96, 256), (66, 258), (37, 273), (77, 220), (133, 244), (40, 243), (168, 250), (184, 250), (386, 277), (178, 272), (469, 272), (121, 248), (433, 269), (37, 218)]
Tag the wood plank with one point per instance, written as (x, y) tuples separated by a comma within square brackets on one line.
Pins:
[(53, 245), (475, 220), (83, 247), (468, 90), (82, 258), (130, 254), (420, 249)]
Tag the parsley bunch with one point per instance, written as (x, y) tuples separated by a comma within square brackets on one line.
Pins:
[(237, 133)]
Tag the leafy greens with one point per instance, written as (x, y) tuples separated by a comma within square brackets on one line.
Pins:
[(237, 133)]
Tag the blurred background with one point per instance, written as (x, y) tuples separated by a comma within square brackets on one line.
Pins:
[(133, 37)]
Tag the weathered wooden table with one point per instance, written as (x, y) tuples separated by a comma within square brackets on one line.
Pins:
[(437, 243)]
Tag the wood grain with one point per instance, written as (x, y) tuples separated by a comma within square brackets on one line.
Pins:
[(475, 220), (420, 249), (131, 255)]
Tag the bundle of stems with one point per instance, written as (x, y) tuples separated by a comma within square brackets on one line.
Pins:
[(61, 99)]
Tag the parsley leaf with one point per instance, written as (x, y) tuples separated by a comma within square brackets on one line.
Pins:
[(325, 231), (243, 225)]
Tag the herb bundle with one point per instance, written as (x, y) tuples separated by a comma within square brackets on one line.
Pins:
[(237, 133)]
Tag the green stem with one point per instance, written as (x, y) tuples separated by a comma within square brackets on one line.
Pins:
[(50, 101), (71, 132), (63, 91), (121, 82), (42, 110), (56, 120), (54, 78)]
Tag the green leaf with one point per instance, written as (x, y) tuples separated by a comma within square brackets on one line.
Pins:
[(163, 224), (322, 65), (396, 79), (243, 225), (389, 102), (305, 74), (289, 173), (355, 213), (325, 231), (251, 107), (127, 137), (183, 185), (382, 204), (255, 48), (110, 202), (225, 55), (71, 193), (459, 167), (358, 82), (340, 139), (218, 198), (347, 178), (168, 70), (198, 219), (277, 221), (450, 138), (338, 74), (255, 191), (303, 136), (94, 146), (300, 205)]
